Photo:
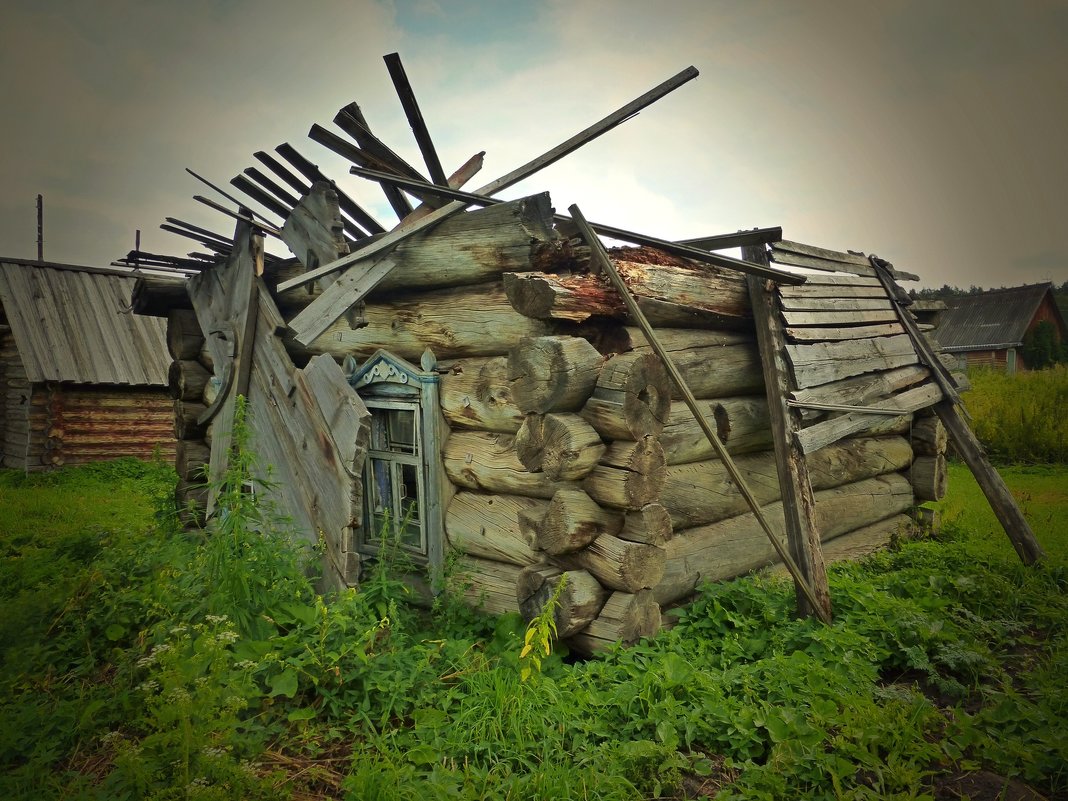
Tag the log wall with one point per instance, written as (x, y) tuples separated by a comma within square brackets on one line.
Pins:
[(48, 425)]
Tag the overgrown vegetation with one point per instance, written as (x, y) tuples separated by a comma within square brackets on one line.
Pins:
[(141, 662), (1021, 418)]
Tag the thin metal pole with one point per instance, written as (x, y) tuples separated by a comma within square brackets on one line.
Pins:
[(40, 228)]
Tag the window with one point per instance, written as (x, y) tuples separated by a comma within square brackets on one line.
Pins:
[(393, 478)]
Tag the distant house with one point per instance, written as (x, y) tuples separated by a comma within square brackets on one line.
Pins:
[(995, 328), (81, 378)]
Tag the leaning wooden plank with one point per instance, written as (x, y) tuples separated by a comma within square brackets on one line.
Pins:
[(822, 362), (1001, 501), (835, 318), (821, 290), (828, 431), (863, 390), (853, 259), (464, 173), (802, 529), (348, 205), (415, 117), (811, 263), (835, 304), (314, 229), (826, 334), (513, 177)]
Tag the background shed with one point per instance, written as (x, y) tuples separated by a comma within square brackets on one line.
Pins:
[(989, 329), (81, 378)]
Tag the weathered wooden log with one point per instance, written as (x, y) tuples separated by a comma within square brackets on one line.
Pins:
[(929, 477), (553, 373), (861, 542), (185, 420), (572, 521), (488, 461), (211, 390), (631, 399), (563, 446), (629, 475), (611, 338), (734, 546), (184, 337), (684, 295), (929, 437), (579, 602), (651, 525), (742, 425), (486, 585), (191, 457), (488, 526), (625, 617), (617, 563), (186, 379), (862, 390), (476, 393), (703, 492), (457, 322), (823, 362)]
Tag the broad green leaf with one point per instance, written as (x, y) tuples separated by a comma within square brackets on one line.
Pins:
[(285, 683)]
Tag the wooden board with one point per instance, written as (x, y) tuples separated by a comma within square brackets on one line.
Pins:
[(836, 318), (820, 363), (806, 303), (822, 290), (825, 334)]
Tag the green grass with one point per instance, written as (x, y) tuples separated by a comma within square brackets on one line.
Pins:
[(1021, 418), (123, 676), (1041, 492)]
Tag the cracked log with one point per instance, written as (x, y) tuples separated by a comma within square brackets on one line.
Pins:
[(617, 563), (553, 373), (476, 393), (486, 526), (487, 461), (626, 617), (629, 475), (579, 601), (563, 446), (631, 399)]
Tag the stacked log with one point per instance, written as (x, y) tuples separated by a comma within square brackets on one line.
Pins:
[(191, 388), (929, 442)]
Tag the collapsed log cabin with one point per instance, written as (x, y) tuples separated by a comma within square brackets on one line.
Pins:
[(81, 378), (474, 383)]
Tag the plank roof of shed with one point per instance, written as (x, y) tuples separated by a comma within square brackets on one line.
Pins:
[(72, 324), (995, 319)]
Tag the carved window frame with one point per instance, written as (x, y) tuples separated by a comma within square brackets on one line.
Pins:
[(386, 381)]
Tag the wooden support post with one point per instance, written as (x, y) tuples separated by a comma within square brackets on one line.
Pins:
[(802, 531), (600, 258), (993, 486), (964, 439)]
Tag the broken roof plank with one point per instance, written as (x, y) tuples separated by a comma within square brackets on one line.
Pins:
[(755, 236), (674, 248), (281, 194), (275, 166), (226, 195), (415, 118), (468, 170), (245, 185), (237, 215), (515, 176), (348, 205), (359, 155)]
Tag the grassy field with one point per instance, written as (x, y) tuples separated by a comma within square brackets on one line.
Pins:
[(137, 662)]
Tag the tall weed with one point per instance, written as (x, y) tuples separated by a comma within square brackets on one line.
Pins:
[(1021, 418)]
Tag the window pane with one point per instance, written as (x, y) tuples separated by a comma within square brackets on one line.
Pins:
[(381, 486), (379, 434), (402, 431)]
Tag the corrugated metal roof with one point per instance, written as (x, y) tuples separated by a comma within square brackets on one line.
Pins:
[(73, 325), (995, 319)]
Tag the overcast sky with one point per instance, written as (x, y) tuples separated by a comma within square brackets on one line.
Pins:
[(932, 133)]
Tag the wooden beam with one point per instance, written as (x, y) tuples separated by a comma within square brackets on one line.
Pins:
[(348, 205), (271, 163), (415, 118), (601, 259), (281, 194), (226, 195), (798, 502), (374, 152), (757, 236), (515, 176), (675, 248), (237, 215), (254, 192)]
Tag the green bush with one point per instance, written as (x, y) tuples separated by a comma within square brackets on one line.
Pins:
[(1021, 418)]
